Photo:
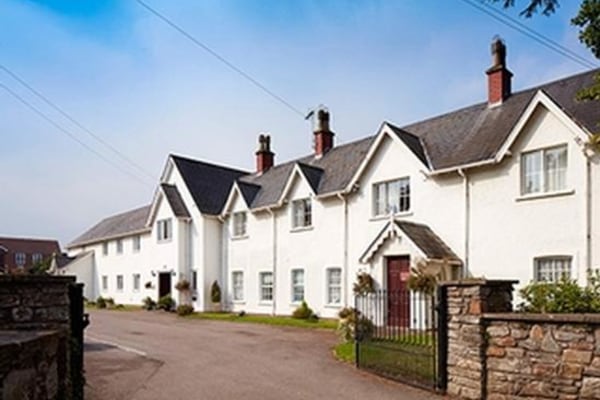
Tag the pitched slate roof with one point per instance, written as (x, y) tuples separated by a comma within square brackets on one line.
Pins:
[(338, 166), (424, 238), (114, 226), (175, 201), (208, 184), (476, 133)]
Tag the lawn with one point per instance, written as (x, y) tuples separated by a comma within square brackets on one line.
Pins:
[(330, 324), (344, 352), (118, 307)]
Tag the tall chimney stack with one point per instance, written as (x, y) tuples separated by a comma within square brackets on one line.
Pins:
[(499, 77), (264, 155), (323, 135)]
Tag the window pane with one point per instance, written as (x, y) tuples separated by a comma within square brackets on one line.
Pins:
[(555, 168), (532, 172), (334, 289), (297, 285), (552, 269), (238, 285), (266, 286)]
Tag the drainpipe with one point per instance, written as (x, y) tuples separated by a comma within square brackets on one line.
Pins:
[(467, 221), (345, 249), (588, 222), (274, 256)]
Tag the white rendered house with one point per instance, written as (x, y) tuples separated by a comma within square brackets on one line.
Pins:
[(507, 188)]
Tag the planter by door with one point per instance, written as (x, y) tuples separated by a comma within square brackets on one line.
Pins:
[(398, 272), (164, 284)]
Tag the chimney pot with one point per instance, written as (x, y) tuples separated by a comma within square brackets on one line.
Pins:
[(499, 77), (264, 156), (323, 134)]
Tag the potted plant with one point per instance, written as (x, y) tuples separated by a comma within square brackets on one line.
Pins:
[(215, 296), (184, 287)]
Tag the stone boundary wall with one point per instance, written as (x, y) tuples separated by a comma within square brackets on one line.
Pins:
[(32, 365), (497, 354), (535, 356)]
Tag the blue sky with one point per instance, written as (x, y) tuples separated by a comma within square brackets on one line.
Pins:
[(147, 91)]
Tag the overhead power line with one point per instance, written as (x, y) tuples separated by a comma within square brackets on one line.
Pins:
[(72, 136), (222, 59), (62, 112), (530, 33)]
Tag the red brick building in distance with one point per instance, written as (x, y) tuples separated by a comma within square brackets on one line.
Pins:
[(20, 253)]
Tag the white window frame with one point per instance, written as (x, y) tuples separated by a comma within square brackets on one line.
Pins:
[(136, 243), (20, 259), (240, 224), (120, 283), (302, 213), (164, 230), (262, 286), (104, 248), (104, 283), (237, 286), (119, 246), (543, 171), (37, 258), (297, 286), (552, 268), (391, 197), (136, 282), (333, 286)]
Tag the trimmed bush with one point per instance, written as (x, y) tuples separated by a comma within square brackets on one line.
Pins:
[(100, 302), (110, 302), (565, 296), (148, 304), (215, 292), (304, 312), (184, 309), (352, 325), (166, 303)]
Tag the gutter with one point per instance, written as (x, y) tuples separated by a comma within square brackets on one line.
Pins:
[(588, 222), (467, 221), (345, 249), (463, 167)]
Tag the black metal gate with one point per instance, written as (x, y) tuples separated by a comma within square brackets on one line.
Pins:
[(397, 336), (79, 321)]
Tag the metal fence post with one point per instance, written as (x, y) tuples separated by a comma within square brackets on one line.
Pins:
[(442, 336)]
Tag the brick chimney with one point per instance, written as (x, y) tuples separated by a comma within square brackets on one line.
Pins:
[(264, 155), (499, 77), (323, 135)]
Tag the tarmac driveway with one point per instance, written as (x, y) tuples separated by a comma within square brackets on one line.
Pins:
[(154, 355)]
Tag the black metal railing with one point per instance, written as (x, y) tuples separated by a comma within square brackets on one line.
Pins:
[(397, 336)]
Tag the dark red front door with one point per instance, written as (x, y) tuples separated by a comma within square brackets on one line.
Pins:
[(398, 271)]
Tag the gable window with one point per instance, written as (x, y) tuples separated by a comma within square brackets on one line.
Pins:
[(239, 224), (20, 259), (237, 279), (334, 285), (36, 258), (544, 171), (105, 248), (164, 230), (266, 286), (119, 246), (552, 269), (391, 197), (301, 213), (137, 243), (136, 282), (119, 282), (104, 282), (297, 285)]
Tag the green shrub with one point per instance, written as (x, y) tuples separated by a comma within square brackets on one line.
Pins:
[(364, 284), (352, 325), (148, 304), (166, 303), (119, 307), (215, 292), (565, 296), (184, 309), (100, 302), (110, 302), (303, 312)]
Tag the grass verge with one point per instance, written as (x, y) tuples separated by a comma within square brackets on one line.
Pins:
[(267, 320), (344, 352), (118, 307)]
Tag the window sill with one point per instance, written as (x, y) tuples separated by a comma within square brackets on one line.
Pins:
[(239, 302), (339, 305), (387, 216), (162, 241), (265, 303), (241, 237), (302, 228), (545, 195)]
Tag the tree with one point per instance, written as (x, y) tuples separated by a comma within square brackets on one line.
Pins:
[(588, 22)]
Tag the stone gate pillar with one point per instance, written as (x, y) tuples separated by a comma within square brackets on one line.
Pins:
[(466, 302)]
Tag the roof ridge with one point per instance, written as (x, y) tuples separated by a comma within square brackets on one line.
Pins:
[(207, 163), (126, 212)]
